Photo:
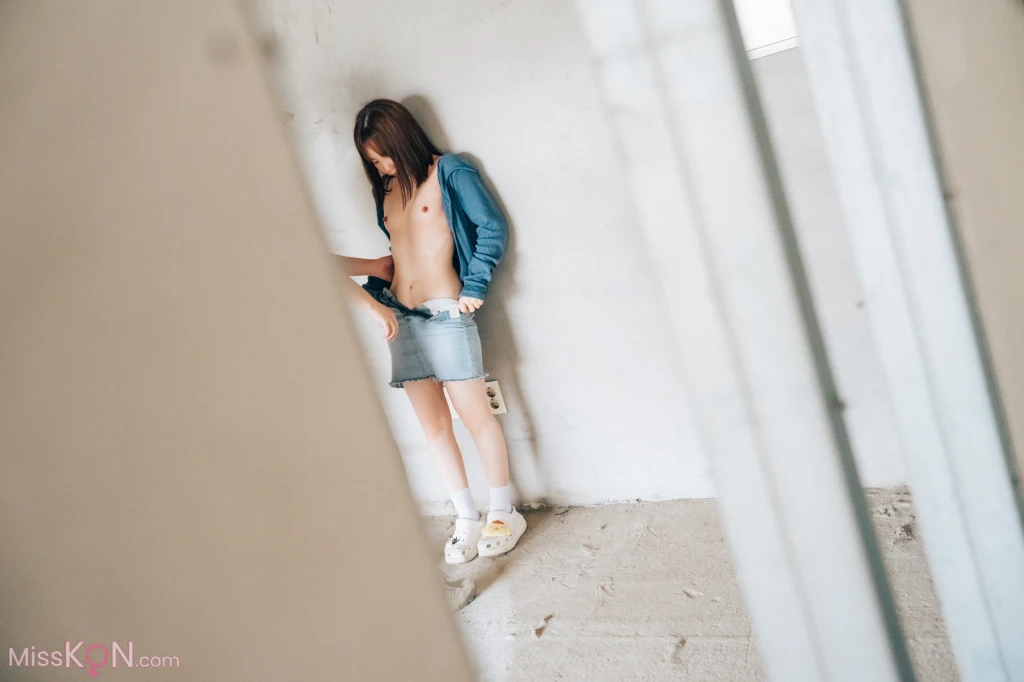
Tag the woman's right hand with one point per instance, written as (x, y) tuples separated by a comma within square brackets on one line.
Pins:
[(385, 317), (385, 266)]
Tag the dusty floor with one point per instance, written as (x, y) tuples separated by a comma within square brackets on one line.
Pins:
[(646, 591)]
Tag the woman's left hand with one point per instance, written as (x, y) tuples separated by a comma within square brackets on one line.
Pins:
[(469, 305)]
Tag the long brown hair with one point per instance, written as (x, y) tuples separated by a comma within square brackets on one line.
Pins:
[(392, 131)]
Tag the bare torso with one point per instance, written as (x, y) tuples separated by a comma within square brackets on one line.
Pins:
[(421, 244)]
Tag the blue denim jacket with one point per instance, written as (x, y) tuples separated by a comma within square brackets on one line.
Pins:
[(476, 222)]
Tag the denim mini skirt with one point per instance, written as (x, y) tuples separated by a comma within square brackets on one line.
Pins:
[(432, 343)]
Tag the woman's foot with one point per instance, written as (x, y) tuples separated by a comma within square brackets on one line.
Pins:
[(501, 533), (462, 545)]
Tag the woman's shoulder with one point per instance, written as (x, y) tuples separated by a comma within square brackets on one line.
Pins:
[(450, 163)]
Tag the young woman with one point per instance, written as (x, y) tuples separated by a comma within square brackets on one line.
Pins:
[(447, 236)]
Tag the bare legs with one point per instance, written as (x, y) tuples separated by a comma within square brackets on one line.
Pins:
[(470, 401), (432, 412), (504, 525), (472, 404)]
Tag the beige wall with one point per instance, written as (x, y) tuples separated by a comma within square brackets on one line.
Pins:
[(192, 459), (972, 55)]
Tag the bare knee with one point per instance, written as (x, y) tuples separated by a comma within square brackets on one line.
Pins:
[(479, 421), (437, 427)]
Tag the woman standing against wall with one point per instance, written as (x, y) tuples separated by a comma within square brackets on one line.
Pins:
[(447, 236)]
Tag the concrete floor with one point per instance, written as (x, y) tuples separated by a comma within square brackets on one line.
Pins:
[(647, 591)]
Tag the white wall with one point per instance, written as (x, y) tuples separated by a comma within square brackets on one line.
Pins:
[(574, 327), (768, 26)]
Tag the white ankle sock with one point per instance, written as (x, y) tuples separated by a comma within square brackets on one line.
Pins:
[(500, 499), (464, 504)]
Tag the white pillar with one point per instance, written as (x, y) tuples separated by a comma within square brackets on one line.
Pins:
[(678, 95), (868, 96)]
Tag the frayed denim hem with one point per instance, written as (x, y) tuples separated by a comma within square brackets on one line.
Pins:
[(401, 384)]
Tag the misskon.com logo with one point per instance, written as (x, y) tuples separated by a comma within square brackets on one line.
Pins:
[(89, 657)]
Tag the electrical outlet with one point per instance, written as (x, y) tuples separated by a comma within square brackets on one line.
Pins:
[(494, 396), (496, 399)]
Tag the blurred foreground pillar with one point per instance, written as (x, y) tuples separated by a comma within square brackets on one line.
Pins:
[(190, 438), (679, 93), (862, 63)]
